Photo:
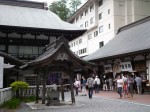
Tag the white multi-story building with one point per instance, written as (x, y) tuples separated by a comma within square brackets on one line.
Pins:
[(102, 19)]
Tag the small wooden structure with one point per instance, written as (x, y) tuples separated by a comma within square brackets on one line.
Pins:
[(57, 57)]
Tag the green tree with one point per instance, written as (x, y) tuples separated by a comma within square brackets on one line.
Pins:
[(60, 8), (74, 4)]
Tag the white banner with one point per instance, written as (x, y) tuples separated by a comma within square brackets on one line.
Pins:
[(126, 66), (1, 71), (108, 68)]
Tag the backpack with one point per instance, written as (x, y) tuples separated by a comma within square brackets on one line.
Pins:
[(90, 82)]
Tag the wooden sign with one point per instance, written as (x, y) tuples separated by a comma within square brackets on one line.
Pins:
[(62, 56)]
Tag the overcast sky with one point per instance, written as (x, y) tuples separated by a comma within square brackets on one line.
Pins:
[(50, 1)]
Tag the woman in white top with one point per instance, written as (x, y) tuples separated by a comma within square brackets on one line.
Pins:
[(119, 85)]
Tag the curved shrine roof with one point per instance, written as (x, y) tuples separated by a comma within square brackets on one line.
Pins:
[(33, 18)]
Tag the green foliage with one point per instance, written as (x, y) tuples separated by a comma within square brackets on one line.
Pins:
[(74, 4), (19, 85), (11, 104), (60, 9), (29, 99)]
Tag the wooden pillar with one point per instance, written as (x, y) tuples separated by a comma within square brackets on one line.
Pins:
[(98, 67), (62, 91), (44, 89), (7, 42), (71, 85), (37, 88)]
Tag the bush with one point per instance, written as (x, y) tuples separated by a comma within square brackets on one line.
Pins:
[(11, 104), (19, 85)]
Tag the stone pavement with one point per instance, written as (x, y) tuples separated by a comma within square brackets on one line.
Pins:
[(143, 98), (102, 102)]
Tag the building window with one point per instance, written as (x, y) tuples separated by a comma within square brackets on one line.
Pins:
[(31, 80), (81, 26), (100, 15), (92, 20), (77, 19), (95, 33), (108, 11), (74, 43), (2, 47), (86, 12), (100, 3), (101, 44), (71, 44), (84, 50), (101, 29), (109, 26), (77, 52), (81, 16), (86, 24), (80, 41), (91, 8), (89, 36)]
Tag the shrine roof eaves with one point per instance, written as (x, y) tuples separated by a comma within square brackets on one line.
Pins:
[(10, 59)]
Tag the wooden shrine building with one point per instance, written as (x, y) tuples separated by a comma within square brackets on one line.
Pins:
[(57, 57)]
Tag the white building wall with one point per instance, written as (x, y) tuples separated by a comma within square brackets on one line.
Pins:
[(1, 71), (141, 9), (122, 12)]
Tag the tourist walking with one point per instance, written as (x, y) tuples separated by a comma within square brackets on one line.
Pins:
[(130, 86), (90, 82), (105, 88), (125, 85), (76, 85), (138, 81), (119, 85), (83, 86), (110, 81), (96, 84)]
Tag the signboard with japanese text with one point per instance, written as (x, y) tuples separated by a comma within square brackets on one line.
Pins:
[(62, 56), (116, 67), (126, 66)]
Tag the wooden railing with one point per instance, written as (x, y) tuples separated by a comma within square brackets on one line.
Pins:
[(7, 93)]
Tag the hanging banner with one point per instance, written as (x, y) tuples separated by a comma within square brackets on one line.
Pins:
[(107, 68), (116, 67), (126, 66), (1, 71)]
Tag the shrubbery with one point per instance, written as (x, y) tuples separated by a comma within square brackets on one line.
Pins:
[(11, 104), (19, 86)]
